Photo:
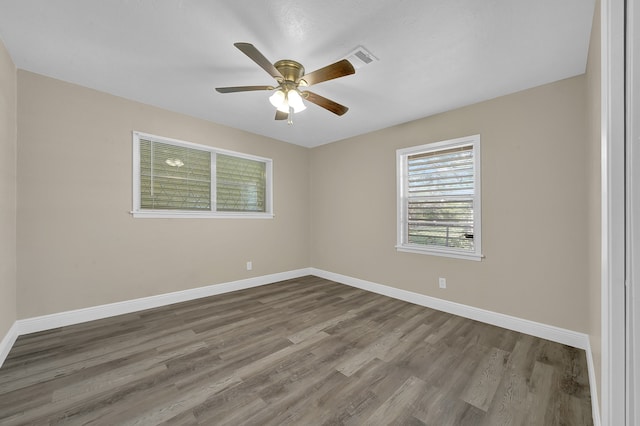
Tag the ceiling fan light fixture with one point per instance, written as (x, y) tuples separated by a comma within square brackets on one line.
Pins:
[(278, 99), (291, 99), (295, 101), (284, 107)]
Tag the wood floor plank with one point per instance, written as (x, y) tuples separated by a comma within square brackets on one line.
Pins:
[(541, 393), (306, 351), (483, 384), (510, 405), (399, 404), (314, 329)]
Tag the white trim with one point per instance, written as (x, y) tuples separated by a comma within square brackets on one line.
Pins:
[(47, 322), (192, 145), (613, 395), (456, 254), (595, 406), (633, 211), (138, 212), (544, 331), (7, 342), (402, 245), (61, 319), (165, 214)]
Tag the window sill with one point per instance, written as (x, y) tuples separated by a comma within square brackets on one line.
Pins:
[(443, 253), (162, 214)]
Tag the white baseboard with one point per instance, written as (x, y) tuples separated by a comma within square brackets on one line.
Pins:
[(549, 332), (595, 404), (47, 322), (7, 342)]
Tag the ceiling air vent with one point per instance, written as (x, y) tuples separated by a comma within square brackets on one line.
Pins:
[(359, 57)]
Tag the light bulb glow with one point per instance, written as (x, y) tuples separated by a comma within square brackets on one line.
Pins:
[(277, 99), (295, 101), (285, 101)]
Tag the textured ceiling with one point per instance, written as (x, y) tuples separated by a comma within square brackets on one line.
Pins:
[(434, 55)]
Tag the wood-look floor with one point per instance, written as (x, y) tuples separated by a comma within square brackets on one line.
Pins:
[(306, 352)]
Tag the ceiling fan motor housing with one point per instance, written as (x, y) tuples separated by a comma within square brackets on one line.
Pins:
[(290, 70)]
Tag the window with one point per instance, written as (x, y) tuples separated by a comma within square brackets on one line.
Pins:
[(439, 198), (179, 179)]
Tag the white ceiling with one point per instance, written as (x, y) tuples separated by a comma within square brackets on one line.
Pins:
[(434, 55)]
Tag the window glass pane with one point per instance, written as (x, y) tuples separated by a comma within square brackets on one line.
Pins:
[(174, 177), (441, 223), (180, 179), (440, 189), (448, 172), (241, 184)]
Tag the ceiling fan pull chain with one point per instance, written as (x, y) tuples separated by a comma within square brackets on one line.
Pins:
[(290, 118)]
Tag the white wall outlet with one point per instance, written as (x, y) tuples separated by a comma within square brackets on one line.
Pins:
[(442, 282), (249, 265)]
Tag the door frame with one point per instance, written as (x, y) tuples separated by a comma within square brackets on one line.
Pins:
[(613, 213), (633, 211)]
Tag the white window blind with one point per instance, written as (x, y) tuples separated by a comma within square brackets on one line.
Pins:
[(174, 177), (241, 184), (439, 198), (179, 179)]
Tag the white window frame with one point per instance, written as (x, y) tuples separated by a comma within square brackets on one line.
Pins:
[(402, 218), (139, 212)]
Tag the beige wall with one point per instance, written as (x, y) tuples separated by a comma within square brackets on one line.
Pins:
[(534, 197), (78, 246), (593, 76), (8, 140)]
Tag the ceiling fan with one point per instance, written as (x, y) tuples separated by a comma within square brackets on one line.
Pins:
[(290, 76)]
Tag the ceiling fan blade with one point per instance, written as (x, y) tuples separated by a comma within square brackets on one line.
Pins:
[(257, 57), (242, 89), (336, 70), (325, 103), (281, 115)]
